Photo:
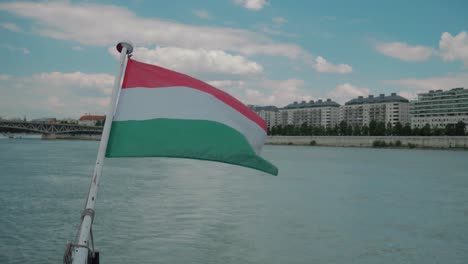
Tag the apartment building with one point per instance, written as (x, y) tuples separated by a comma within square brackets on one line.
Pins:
[(440, 108), (361, 111), (314, 113), (270, 114)]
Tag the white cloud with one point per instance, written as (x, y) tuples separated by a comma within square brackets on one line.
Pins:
[(286, 50), (454, 47), (77, 48), (196, 60), (404, 51), (282, 92), (4, 77), (66, 21), (11, 26), (15, 48), (55, 94), (434, 83), (274, 28), (451, 48), (97, 81), (413, 86), (345, 92), (265, 91), (201, 13), (227, 83), (279, 20), (269, 30), (322, 65), (252, 4)]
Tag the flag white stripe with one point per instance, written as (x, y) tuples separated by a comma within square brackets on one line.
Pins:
[(185, 103)]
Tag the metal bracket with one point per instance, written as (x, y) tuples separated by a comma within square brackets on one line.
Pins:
[(68, 255)]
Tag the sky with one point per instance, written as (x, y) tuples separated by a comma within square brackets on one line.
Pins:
[(59, 57)]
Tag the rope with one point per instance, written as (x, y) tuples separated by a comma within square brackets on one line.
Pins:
[(92, 238), (68, 255)]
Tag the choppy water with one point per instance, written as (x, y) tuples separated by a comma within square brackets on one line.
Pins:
[(328, 205)]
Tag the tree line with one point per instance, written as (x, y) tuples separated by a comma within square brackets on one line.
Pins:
[(374, 129)]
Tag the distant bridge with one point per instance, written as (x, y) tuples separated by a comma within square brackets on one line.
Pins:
[(46, 128)]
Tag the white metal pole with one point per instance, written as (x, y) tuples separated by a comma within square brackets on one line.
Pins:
[(80, 251)]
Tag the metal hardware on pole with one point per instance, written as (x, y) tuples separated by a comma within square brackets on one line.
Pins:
[(81, 249)]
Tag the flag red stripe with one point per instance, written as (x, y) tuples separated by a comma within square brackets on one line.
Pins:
[(140, 74)]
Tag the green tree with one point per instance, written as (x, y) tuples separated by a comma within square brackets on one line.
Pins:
[(426, 130), (296, 130), (309, 130), (343, 128), (406, 131), (438, 131), (380, 129), (450, 130), (280, 130), (335, 131), (349, 130), (304, 129), (315, 131), (460, 128), (373, 128), (398, 129), (320, 131), (312, 130), (389, 129), (365, 130), (357, 130), (416, 131)]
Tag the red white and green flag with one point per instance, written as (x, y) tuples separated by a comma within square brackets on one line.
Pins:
[(162, 113)]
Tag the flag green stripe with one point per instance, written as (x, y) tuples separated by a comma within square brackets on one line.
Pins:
[(179, 138)]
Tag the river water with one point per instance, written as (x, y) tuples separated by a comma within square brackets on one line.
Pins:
[(328, 205)]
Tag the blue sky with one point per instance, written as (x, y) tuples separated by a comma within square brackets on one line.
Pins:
[(59, 58)]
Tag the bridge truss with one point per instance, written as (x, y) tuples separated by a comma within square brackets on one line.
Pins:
[(46, 128)]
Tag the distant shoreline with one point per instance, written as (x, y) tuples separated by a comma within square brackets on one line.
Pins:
[(431, 142), (19, 136), (70, 137), (420, 142)]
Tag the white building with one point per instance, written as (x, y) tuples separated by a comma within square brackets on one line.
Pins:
[(440, 108), (91, 120), (318, 113), (271, 117), (268, 113), (361, 111)]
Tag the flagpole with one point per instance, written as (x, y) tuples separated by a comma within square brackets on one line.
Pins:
[(81, 248)]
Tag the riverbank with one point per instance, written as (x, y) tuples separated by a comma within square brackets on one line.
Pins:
[(442, 142), (70, 137)]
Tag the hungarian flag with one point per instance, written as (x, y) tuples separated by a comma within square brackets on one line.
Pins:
[(162, 113)]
